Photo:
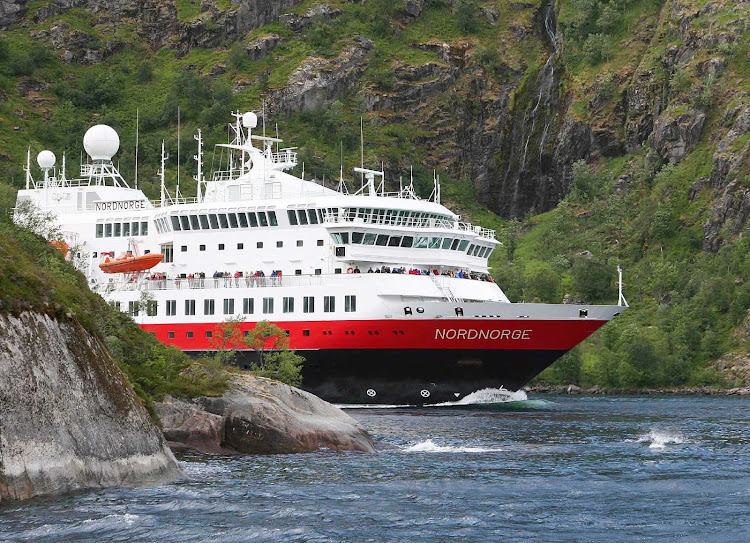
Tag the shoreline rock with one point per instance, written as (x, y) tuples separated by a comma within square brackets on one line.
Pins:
[(259, 416), (69, 419)]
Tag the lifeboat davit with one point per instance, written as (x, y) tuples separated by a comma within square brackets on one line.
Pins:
[(131, 264)]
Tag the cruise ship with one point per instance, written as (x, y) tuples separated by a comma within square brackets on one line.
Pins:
[(388, 297)]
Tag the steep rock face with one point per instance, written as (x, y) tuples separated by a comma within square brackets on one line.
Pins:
[(260, 416), (674, 137), (69, 419)]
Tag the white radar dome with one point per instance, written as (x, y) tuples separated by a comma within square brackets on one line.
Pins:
[(249, 120), (46, 160), (101, 142)]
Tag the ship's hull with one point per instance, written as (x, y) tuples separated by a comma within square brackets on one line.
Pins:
[(421, 361)]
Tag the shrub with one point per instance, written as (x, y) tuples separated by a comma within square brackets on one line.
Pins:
[(466, 16), (145, 73), (596, 48)]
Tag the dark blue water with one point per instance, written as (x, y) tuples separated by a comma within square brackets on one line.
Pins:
[(552, 469)]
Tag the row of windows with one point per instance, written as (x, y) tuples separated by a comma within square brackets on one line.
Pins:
[(417, 242), (304, 216), (215, 221), (305, 332), (122, 229), (241, 246), (248, 306), (394, 217)]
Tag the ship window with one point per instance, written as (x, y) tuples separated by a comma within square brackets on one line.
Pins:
[(447, 243), (302, 216), (152, 308), (305, 333), (183, 248), (312, 216), (99, 230), (463, 244), (297, 272), (279, 244), (248, 306), (267, 305), (420, 242), (209, 307), (300, 243), (454, 245), (407, 241), (126, 228), (232, 220), (345, 238), (329, 304), (470, 252), (189, 307), (202, 248), (223, 221), (171, 308), (184, 222), (395, 241), (228, 306), (308, 304), (133, 308), (320, 215), (93, 255), (336, 237), (292, 217), (337, 270), (188, 334), (204, 222), (240, 246), (369, 239), (214, 221), (489, 252), (318, 271), (350, 304), (340, 251), (108, 230), (209, 333), (243, 219), (320, 243), (194, 222), (435, 243), (221, 246), (168, 251), (288, 304), (253, 219), (144, 228), (272, 218), (381, 240), (118, 230), (357, 237), (170, 335), (262, 218)]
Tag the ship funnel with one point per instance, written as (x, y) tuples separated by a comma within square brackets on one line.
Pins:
[(46, 160), (101, 142)]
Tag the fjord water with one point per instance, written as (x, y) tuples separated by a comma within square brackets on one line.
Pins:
[(569, 468)]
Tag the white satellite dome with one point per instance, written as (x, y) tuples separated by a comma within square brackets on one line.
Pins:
[(101, 142), (46, 160), (249, 120)]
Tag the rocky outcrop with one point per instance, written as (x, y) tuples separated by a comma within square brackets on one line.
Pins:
[(297, 23), (260, 416), (730, 211), (735, 368), (673, 137), (12, 11), (262, 47), (318, 80), (69, 419)]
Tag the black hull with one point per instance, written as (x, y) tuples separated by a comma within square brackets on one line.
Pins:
[(415, 377)]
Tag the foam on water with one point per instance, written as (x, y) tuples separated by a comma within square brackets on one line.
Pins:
[(430, 446), (488, 396), (659, 439)]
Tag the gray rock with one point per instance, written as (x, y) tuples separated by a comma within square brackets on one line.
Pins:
[(69, 419), (12, 11), (260, 416), (261, 47), (297, 23), (673, 137), (410, 11)]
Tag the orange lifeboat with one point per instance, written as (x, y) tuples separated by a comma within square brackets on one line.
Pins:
[(131, 264), (61, 246)]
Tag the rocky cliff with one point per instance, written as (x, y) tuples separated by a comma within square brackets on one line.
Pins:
[(69, 419)]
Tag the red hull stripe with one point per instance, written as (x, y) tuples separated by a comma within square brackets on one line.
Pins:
[(401, 334)]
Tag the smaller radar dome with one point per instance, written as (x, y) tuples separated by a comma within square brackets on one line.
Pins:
[(249, 120), (101, 142), (46, 160)]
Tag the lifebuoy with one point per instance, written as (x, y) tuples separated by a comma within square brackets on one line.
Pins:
[(349, 270)]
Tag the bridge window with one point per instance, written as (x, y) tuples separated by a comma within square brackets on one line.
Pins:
[(292, 217), (357, 237), (144, 229), (454, 245), (447, 243), (262, 219), (312, 216), (394, 241), (369, 239), (463, 244), (118, 230), (223, 221), (272, 218), (435, 243), (252, 219), (204, 222), (381, 240), (214, 220), (126, 228), (302, 216), (420, 242), (232, 220), (108, 230), (185, 222), (407, 241), (99, 230), (194, 222)]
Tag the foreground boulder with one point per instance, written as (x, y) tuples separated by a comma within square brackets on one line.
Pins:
[(260, 416), (69, 419)]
